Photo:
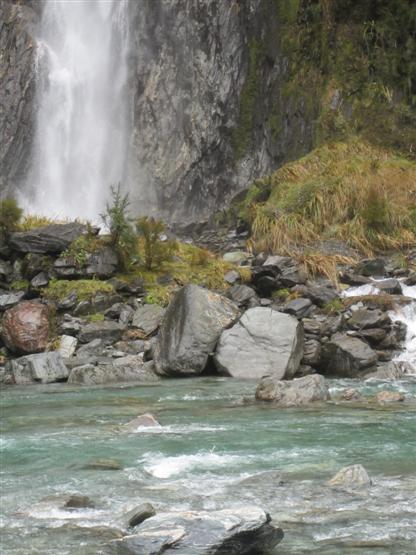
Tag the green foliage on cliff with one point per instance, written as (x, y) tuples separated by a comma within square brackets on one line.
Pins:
[(10, 214), (84, 289), (345, 68)]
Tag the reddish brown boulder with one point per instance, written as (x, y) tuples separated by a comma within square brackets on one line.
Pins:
[(25, 327)]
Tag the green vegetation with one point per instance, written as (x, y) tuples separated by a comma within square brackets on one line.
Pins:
[(97, 317), (334, 307), (84, 289), (116, 218), (20, 285), (83, 246), (10, 214), (156, 251), (350, 191), (32, 221)]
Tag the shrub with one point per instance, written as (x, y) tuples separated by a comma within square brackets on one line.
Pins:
[(10, 214), (116, 218), (155, 250)]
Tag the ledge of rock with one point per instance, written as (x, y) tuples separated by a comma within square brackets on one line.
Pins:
[(226, 532), (53, 238), (263, 342), (299, 391)]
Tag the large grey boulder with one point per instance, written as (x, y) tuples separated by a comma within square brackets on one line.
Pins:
[(299, 391), (347, 356), (190, 330), (41, 367), (126, 369), (53, 238), (263, 342), (238, 531)]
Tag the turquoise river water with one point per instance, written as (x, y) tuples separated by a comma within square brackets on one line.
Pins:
[(216, 448)]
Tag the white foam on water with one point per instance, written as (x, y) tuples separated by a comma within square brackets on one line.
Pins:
[(178, 430)]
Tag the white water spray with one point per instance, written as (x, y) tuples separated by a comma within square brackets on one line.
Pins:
[(82, 125)]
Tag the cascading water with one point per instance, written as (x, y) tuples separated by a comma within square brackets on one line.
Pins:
[(82, 123), (405, 314)]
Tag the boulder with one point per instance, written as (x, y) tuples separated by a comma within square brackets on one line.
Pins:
[(103, 263), (99, 303), (235, 257), (312, 352), (139, 514), (299, 391), (39, 280), (67, 346), (102, 464), (389, 397), (106, 330), (8, 299), (395, 370), (190, 330), (390, 286), (347, 357), (238, 531), (351, 477), (298, 307), (53, 238), (371, 267), (232, 277), (242, 295), (144, 420), (41, 367), (263, 342), (321, 295), (364, 318), (148, 318), (6, 271), (25, 327), (125, 369), (351, 394)]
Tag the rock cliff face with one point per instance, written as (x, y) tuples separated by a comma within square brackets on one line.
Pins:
[(206, 102), (18, 22)]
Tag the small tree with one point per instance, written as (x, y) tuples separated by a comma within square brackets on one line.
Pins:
[(116, 218), (155, 250), (10, 214)]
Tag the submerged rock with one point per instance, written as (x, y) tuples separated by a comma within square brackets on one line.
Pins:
[(299, 391), (350, 477), (263, 342), (139, 514), (192, 325), (389, 397), (102, 464), (226, 532), (144, 420), (25, 327), (77, 501)]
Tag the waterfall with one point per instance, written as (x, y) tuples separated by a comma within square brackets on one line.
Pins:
[(406, 314), (82, 121)]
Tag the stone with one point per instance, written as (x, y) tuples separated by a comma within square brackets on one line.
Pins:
[(144, 420), (390, 286), (130, 368), (102, 464), (235, 257), (364, 318), (237, 531), (6, 271), (139, 514), (71, 325), (41, 367), (67, 346), (25, 327), (312, 352), (348, 357), (103, 263), (298, 307), (190, 330), (353, 279), (373, 336), (148, 318), (10, 299), (351, 394), (354, 476), (319, 295), (312, 326), (77, 501), (107, 330), (40, 280), (371, 267), (264, 341), (232, 277), (53, 238), (299, 391), (389, 397), (99, 303), (241, 294), (265, 285), (394, 370)]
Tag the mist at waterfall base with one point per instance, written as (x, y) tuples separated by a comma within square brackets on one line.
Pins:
[(81, 140)]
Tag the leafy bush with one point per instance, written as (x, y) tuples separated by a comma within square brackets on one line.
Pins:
[(116, 218), (10, 214), (156, 251)]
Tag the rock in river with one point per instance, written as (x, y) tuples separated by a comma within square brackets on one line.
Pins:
[(263, 342), (190, 330), (299, 391), (350, 477), (240, 531), (347, 357)]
